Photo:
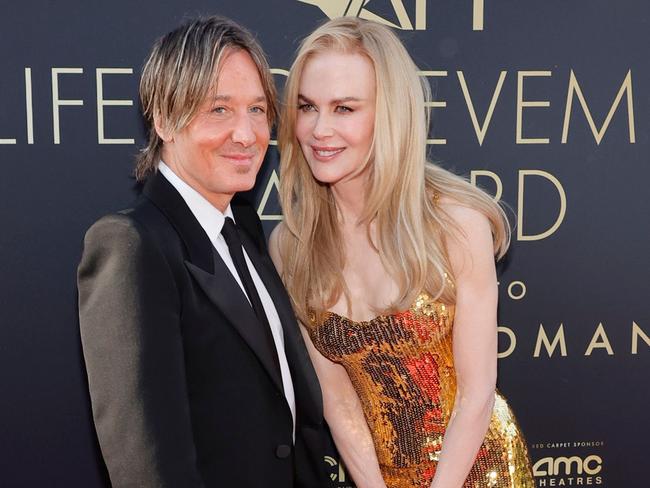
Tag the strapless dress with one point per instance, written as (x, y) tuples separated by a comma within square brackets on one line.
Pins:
[(402, 368)]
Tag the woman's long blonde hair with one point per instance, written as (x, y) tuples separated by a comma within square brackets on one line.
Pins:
[(411, 230)]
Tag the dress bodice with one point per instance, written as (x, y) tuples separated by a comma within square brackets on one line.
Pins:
[(401, 366)]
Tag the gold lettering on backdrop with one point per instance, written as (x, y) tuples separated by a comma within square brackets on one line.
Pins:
[(56, 102), (599, 341), (402, 16), (574, 87), (435, 103), (542, 338), (478, 15), (331, 8), (597, 460), (420, 14), (340, 474), (521, 104), (567, 462), (538, 469), (285, 73), (481, 129), (513, 341), (29, 110), (9, 140), (636, 333), (558, 342), (280, 71), (522, 290), (101, 103), (493, 176), (357, 8), (520, 205), (274, 182), (549, 466)]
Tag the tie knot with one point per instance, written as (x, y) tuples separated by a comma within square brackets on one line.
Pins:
[(229, 232)]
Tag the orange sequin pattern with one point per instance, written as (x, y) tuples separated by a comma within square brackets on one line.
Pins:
[(402, 368)]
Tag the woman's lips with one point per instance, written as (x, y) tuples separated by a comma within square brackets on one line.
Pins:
[(326, 153)]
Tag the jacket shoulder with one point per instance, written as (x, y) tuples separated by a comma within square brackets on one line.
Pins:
[(130, 229)]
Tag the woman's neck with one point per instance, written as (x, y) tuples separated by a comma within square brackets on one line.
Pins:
[(350, 198)]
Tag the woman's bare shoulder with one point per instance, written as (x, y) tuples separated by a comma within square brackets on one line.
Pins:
[(466, 219), (274, 245)]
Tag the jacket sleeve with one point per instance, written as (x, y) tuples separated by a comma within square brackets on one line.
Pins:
[(129, 315)]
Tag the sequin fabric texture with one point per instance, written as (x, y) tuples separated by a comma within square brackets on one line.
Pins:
[(402, 368)]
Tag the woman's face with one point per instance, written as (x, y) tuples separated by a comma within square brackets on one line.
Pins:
[(336, 114)]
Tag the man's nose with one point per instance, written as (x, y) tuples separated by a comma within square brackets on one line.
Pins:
[(242, 131)]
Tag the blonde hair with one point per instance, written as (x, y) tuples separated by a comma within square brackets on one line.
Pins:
[(180, 71), (403, 187)]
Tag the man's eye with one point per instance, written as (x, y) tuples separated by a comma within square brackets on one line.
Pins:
[(219, 110), (258, 110), (306, 107)]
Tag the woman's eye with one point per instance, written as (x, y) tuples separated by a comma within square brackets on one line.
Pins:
[(343, 108), (306, 107)]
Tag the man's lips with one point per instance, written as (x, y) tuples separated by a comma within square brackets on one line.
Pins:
[(326, 153), (239, 158)]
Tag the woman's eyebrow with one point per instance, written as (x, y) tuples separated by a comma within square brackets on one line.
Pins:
[(332, 102)]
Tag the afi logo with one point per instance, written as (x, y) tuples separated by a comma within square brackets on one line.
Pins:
[(549, 466), (340, 472), (357, 8)]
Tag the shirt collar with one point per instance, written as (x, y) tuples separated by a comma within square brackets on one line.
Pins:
[(210, 217)]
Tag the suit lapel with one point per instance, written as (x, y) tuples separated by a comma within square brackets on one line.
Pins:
[(209, 271), (302, 371), (164, 196), (224, 292)]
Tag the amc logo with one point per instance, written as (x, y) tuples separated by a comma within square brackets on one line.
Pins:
[(549, 466), (416, 20), (339, 474)]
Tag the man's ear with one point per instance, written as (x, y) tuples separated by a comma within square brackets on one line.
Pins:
[(162, 129)]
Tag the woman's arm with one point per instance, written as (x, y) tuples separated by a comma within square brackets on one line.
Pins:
[(341, 406), (474, 345), (344, 415)]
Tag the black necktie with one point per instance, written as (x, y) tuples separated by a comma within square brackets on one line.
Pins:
[(231, 234)]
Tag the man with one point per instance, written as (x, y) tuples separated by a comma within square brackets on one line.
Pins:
[(198, 374)]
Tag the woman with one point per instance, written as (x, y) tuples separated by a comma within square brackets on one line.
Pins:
[(389, 261)]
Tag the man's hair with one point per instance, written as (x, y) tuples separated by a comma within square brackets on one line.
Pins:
[(180, 72)]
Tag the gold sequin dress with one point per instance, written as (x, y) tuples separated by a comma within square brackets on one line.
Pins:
[(402, 368)]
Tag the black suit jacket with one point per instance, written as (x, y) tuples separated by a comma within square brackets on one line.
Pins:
[(183, 386)]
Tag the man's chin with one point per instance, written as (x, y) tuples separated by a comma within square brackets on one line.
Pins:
[(245, 184), (244, 169)]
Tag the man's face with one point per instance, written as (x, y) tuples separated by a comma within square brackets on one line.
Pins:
[(221, 150)]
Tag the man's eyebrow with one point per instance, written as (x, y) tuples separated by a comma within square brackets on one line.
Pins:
[(336, 101), (227, 98)]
